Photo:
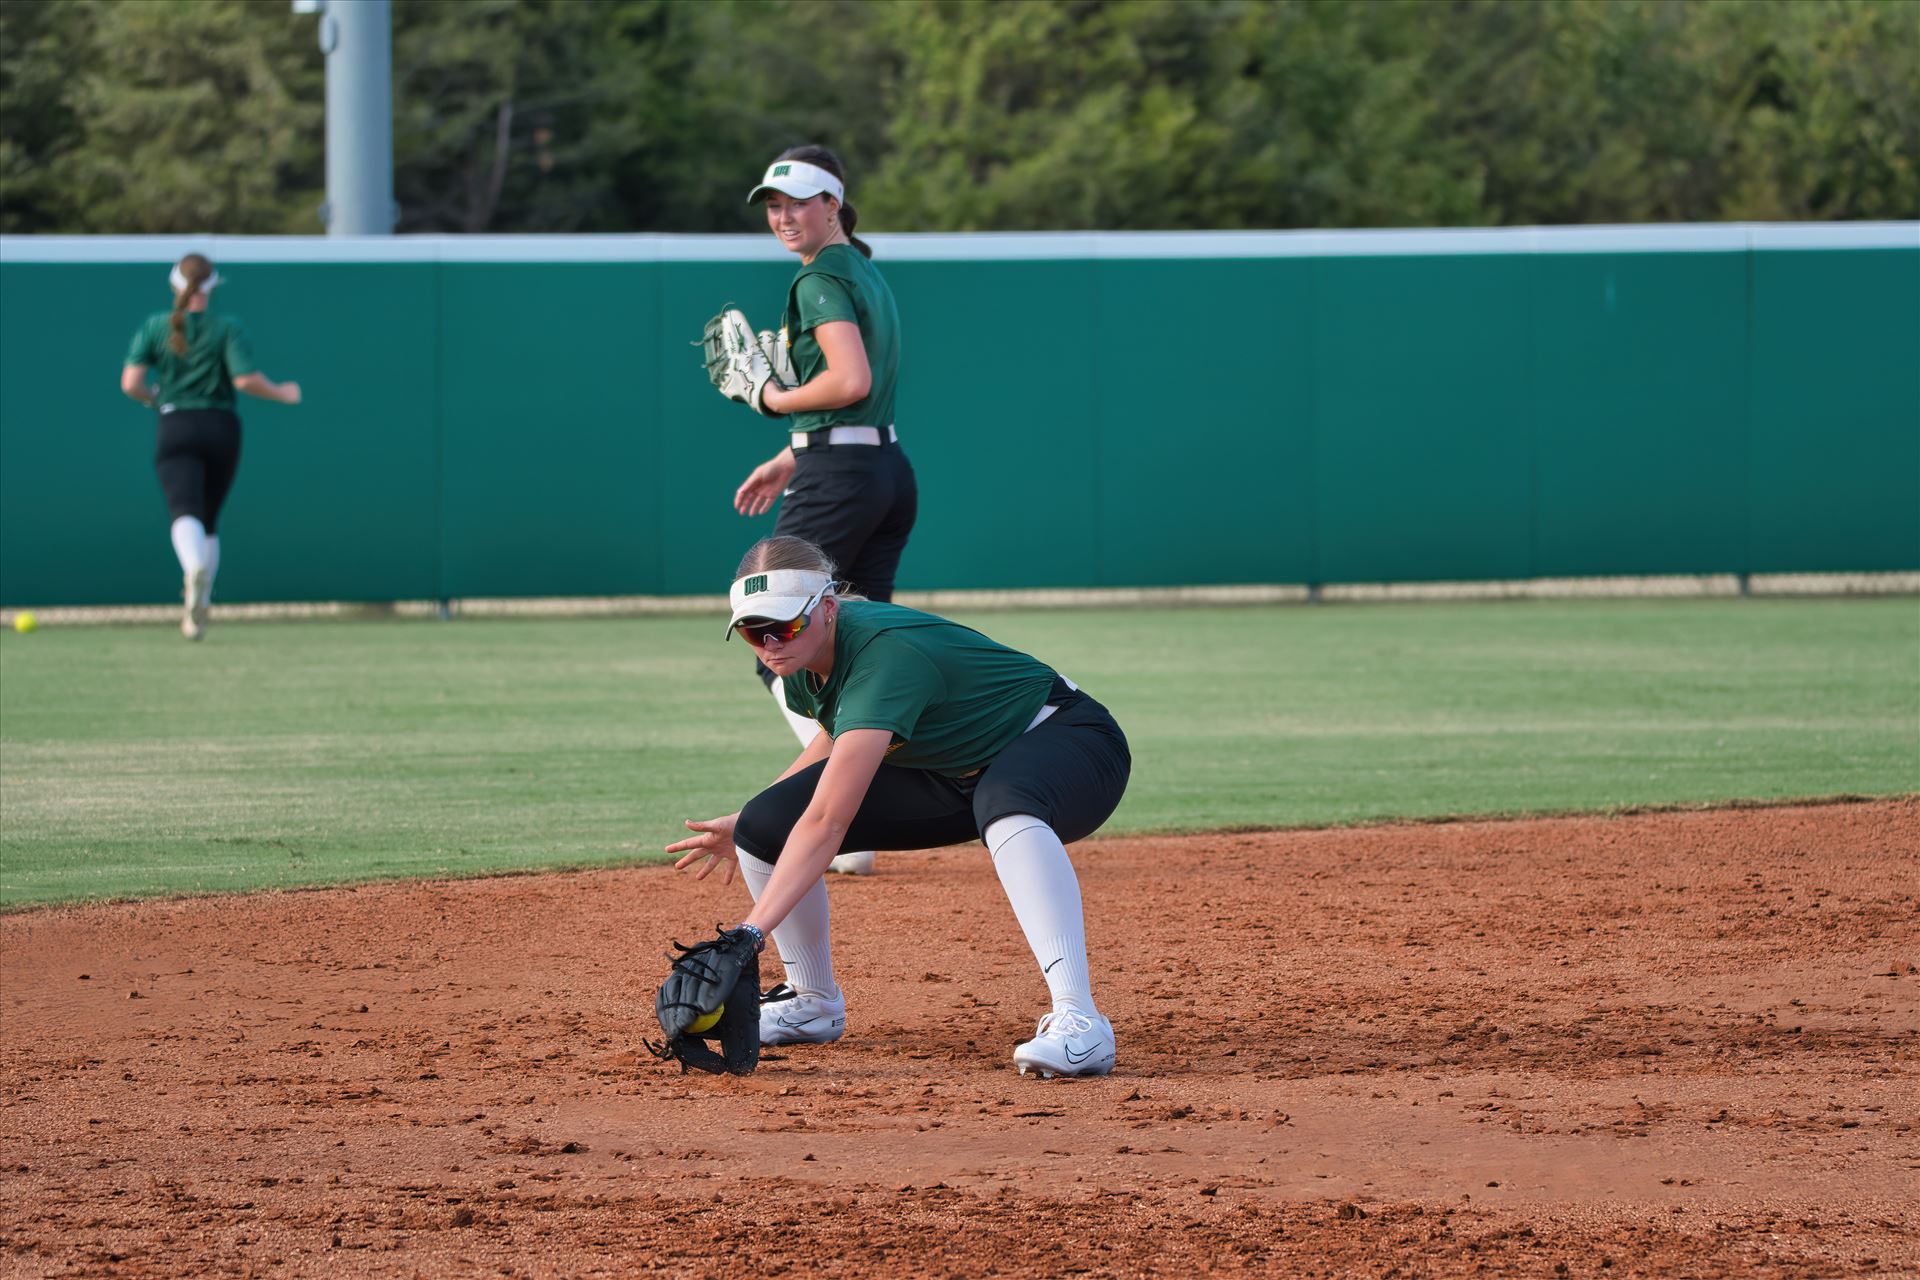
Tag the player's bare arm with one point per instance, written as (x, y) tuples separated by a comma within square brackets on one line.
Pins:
[(846, 380), (764, 484), (259, 384), (713, 844), (133, 382), (853, 760)]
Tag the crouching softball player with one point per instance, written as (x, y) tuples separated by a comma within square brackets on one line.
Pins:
[(932, 735)]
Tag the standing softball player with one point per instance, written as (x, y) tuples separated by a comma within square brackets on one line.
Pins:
[(930, 734), (197, 360), (835, 363)]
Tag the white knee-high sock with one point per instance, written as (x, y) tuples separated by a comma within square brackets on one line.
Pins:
[(804, 728), (213, 566), (1039, 881), (802, 938), (190, 543)]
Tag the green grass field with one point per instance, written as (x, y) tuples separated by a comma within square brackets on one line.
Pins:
[(280, 754)]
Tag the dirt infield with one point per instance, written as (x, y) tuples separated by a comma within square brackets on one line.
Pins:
[(1681, 1044)]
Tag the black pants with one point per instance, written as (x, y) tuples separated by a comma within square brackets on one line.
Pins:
[(857, 503), (197, 455), (1070, 772)]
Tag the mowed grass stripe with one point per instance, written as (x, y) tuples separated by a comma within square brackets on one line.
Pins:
[(281, 754)]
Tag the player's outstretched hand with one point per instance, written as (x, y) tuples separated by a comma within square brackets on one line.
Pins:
[(764, 484), (290, 393), (713, 846)]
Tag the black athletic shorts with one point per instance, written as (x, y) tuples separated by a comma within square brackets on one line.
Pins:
[(197, 454), (1069, 772), (856, 502)]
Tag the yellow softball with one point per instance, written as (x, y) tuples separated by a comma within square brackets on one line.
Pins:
[(705, 1021), (24, 621)]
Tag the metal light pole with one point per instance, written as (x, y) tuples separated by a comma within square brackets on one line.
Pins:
[(357, 38)]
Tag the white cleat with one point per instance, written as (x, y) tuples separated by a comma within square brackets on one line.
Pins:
[(788, 1017), (193, 621), (1067, 1043), (852, 864)]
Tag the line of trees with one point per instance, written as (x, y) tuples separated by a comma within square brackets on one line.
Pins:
[(131, 116)]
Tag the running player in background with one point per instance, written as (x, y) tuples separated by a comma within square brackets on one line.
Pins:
[(930, 734), (848, 485), (196, 361)]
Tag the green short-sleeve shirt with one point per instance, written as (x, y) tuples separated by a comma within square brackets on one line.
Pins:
[(951, 698), (842, 284), (217, 353)]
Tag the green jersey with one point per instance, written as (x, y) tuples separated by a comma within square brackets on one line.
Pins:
[(951, 698), (217, 353), (841, 284)]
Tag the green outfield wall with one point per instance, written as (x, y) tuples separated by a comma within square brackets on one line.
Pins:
[(524, 416)]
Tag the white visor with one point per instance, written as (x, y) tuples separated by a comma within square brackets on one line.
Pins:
[(779, 594), (180, 282), (800, 180)]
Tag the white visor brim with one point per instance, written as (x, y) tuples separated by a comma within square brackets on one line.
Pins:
[(778, 594), (180, 282), (798, 179)]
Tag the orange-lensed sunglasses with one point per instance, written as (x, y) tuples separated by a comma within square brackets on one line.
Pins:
[(762, 630)]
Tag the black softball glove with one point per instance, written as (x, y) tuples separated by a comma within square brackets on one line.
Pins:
[(721, 975)]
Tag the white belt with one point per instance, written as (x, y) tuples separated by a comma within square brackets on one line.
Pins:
[(1039, 718), (846, 435), (1041, 715)]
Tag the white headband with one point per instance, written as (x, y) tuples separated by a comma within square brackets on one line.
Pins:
[(180, 282), (800, 180)]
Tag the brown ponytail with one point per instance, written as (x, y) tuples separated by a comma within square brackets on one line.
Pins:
[(814, 153), (196, 269), (849, 217)]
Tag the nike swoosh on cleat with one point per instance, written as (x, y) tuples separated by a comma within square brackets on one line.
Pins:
[(1077, 1058)]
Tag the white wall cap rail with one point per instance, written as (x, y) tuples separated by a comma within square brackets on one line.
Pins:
[(1011, 246)]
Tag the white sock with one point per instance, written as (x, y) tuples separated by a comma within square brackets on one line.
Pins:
[(801, 938), (1039, 881), (213, 567), (803, 728), (190, 543)]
